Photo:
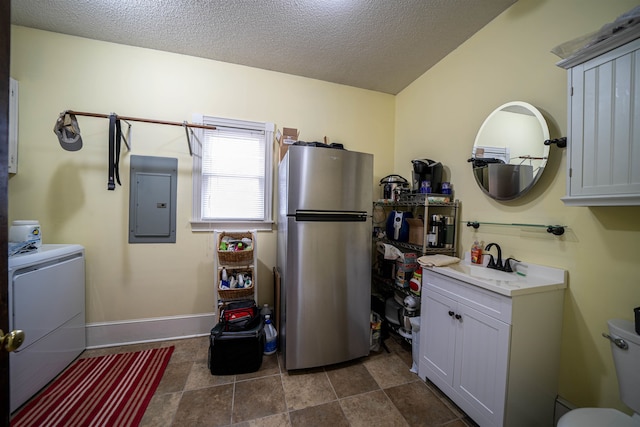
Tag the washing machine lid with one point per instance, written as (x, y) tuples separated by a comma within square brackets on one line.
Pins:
[(45, 253), (597, 417)]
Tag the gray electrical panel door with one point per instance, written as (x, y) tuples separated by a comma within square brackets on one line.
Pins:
[(152, 199)]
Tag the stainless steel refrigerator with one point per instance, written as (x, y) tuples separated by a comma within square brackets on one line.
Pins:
[(324, 255)]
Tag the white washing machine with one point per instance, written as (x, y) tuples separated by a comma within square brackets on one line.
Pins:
[(47, 302)]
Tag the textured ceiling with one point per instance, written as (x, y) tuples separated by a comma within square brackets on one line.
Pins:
[(381, 45)]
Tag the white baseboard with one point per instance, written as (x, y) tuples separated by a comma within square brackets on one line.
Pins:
[(109, 334)]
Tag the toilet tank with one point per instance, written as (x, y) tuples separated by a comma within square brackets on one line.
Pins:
[(627, 362)]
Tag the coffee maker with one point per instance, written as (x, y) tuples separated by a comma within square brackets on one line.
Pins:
[(427, 170)]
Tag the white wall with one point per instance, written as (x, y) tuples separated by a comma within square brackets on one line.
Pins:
[(438, 117), (67, 191), (435, 117)]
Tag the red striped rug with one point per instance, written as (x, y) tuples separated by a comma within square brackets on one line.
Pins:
[(112, 390)]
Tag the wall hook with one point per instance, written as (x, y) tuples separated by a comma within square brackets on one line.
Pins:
[(474, 224), (186, 130), (556, 230), (560, 142)]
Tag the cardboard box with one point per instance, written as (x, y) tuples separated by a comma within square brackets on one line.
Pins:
[(289, 136), (416, 231), (409, 258)]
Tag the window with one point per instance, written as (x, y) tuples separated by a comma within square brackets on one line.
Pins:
[(232, 174)]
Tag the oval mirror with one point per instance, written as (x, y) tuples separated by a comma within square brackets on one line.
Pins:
[(509, 154)]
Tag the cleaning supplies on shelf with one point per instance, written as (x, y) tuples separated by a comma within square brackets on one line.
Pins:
[(476, 253)]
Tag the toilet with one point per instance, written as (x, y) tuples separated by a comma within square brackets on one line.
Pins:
[(627, 364)]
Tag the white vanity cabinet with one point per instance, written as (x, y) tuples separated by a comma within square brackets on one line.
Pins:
[(495, 355), (603, 158)]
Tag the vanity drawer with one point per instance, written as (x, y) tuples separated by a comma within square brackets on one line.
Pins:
[(487, 302)]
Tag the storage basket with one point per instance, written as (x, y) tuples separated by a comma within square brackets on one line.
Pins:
[(233, 294), (236, 293), (235, 257)]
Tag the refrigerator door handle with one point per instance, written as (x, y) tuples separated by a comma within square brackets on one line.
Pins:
[(331, 216)]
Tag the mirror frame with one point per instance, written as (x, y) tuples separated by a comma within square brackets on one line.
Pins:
[(516, 168)]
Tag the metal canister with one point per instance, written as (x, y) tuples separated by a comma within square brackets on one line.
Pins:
[(449, 231), (434, 236)]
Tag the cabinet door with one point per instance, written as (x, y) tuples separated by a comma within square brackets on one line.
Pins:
[(437, 343), (604, 149), (482, 354)]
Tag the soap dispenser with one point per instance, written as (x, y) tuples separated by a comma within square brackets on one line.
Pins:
[(476, 253)]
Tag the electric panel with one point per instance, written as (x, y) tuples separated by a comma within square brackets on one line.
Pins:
[(152, 199)]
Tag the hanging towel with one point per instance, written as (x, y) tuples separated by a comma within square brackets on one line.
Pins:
[(390, 252), (437, 260)]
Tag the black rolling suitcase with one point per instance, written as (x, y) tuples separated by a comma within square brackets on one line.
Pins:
[(236, 347)]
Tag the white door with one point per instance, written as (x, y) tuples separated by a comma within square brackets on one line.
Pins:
[(482, 357)]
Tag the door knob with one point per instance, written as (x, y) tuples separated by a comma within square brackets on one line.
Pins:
[(11, 341)]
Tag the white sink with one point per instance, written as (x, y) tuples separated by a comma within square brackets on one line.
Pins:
[(485, 273), (526, 278)]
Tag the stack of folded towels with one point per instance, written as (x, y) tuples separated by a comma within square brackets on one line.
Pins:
[(437, 260)]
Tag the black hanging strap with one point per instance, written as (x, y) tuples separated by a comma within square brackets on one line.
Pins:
[(112, 121), (118, 144), (115, 142)]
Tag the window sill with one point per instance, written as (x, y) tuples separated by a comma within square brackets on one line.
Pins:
[(199, 226)]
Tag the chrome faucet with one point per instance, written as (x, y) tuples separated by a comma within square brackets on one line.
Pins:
[(497, 265)]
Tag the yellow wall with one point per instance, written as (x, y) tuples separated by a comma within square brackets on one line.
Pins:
[(438, 117), (67, 191)]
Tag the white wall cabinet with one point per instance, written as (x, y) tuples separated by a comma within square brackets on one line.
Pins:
[(603, 159), (495, 356)]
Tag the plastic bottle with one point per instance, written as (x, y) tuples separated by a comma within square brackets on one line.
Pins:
[(415, 284), (476, 253), (264, 311), (446, 188), (26, 231), (224, 279), (270, 345)]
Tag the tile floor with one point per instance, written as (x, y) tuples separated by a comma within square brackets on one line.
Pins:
[(378, 390)]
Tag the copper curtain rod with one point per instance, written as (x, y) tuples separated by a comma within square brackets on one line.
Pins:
[(136, 119)]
